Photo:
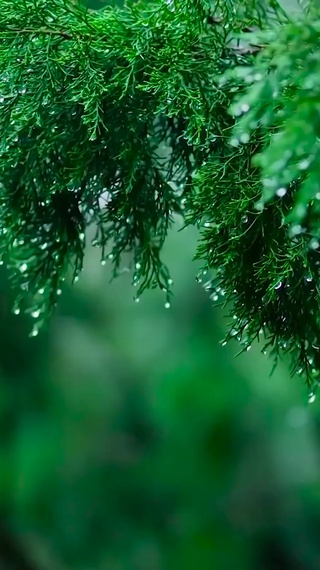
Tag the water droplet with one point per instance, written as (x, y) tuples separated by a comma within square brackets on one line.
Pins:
[(76, 278), (244, 138), (224, 343), (304, 164), (234, 142), (167, 305), (245, 107), (248, 347), (16, 311), (312, 397), (138, 266), (244, 219), (23, 267), (34, 332), (259, 206), (110, 255), (295, 230), (279, 285), (35, 313), (281, 192), (44, 245), (103, 262), (215, 297), (170, 281), (81, 236), (137, 299), (59, 291), (314, 244), (41, 291)]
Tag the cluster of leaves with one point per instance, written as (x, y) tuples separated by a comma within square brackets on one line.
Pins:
[(266, 249), (123, 119)]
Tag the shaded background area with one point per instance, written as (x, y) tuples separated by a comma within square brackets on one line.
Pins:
[(131, 440)]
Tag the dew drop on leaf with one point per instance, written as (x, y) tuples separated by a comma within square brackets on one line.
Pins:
[(35, 313), (281, 192)]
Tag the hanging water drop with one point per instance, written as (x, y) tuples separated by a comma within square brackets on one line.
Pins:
[(244, 138), (23, 267), (281, 192), (314, 244), (312, 397), (295, 230), (167, 305), (304, 164), (35, 313), (245, 107)]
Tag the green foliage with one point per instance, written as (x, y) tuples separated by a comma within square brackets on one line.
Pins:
[(125, 118)]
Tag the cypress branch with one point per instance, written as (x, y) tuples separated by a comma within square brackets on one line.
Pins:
[(124, 119)]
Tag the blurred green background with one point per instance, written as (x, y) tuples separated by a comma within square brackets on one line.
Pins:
[(131, 440)]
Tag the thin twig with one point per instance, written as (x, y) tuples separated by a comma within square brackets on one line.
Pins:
[(46, 31)]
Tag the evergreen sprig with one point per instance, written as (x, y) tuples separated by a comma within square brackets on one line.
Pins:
[(124, 118)]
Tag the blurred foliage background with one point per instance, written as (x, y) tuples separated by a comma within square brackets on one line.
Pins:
[(131, 440)]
